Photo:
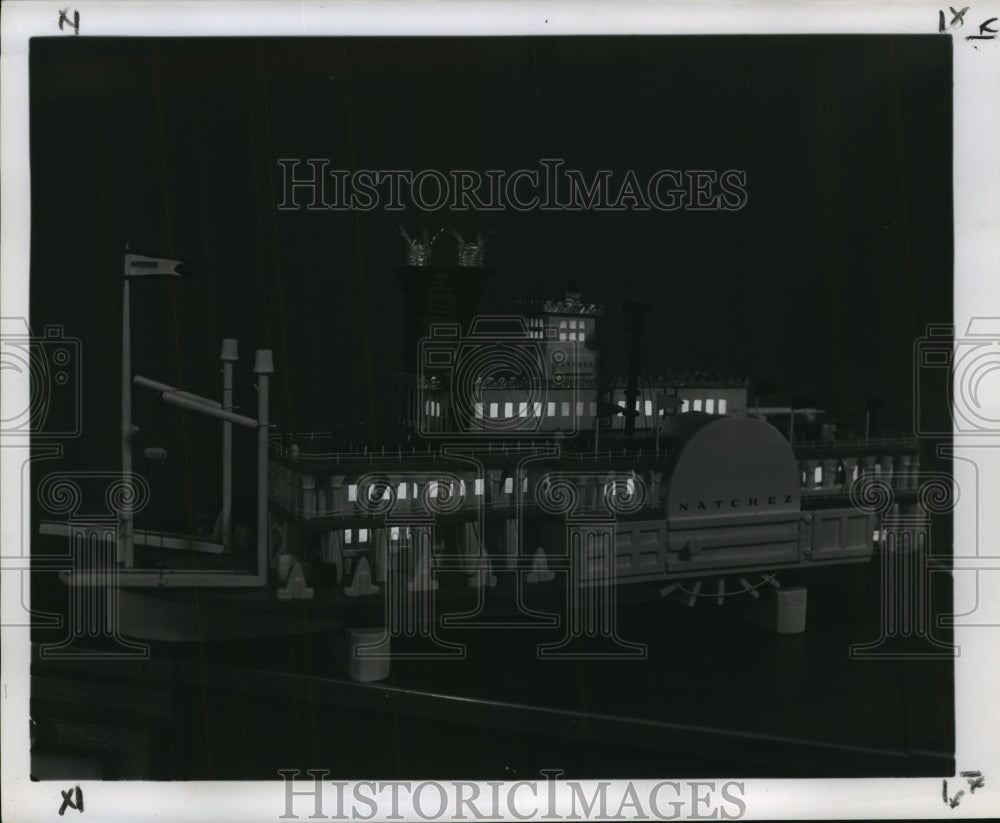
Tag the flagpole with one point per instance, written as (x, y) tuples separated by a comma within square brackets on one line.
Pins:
[(143, 266), (128, 546)]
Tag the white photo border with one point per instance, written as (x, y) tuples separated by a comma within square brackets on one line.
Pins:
[(977, 293)]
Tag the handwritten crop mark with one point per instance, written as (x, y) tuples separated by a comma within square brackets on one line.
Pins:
[(69, 802), (985, 32), (64, 18), (975, 780), (956, 17)]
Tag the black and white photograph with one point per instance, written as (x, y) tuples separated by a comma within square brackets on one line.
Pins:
[(581, 423)]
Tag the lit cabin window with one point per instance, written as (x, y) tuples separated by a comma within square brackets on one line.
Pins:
[(362, 535), (697, 404), (386, 493), (818, 475), (394, 533), (508, 410), (722, 405), (347, 536), (854, 472), (552, 408), (494, 410), (537, 408), (461, 488), (565, 408), (685, 405), (562, 324), (649, 408), (432, 489), (522, 409), (630, 486), (352, 492), (416, 491), (479, 411), (572, 324), (401, 492), (508, 485), (524, 484), (710, 405), (579, 408), (479, 487)]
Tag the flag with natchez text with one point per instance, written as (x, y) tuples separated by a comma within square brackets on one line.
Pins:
[(141, 265)]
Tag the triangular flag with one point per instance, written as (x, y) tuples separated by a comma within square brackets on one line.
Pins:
[(139, 265)]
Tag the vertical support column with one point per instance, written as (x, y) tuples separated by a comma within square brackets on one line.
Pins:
[(830, 473), (307, 503), (886, 462), (229, 356), (866, 466), (850, 466), (263, 367), (807, 471), (902, 473)]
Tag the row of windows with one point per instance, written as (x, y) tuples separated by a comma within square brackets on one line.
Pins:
[(437, 489), (568, 329), (555, 408), (534, 409), (710, 405), (446, 490), (838, 475), (363, 535), (366, 535)]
